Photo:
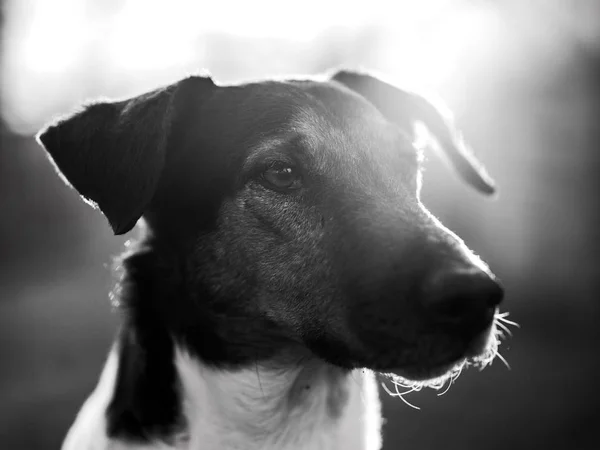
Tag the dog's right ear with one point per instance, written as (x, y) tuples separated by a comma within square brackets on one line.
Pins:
[(114, 153)]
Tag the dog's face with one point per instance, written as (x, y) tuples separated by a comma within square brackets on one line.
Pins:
[(292, 212)]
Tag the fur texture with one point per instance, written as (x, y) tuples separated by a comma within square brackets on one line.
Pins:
[(287, 257)]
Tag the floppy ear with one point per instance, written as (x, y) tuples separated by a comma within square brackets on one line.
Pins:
[(113, 153), (406, 109)]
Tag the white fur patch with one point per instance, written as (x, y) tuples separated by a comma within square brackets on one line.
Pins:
[(249, 409)]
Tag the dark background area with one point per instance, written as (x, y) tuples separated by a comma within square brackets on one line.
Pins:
[(527, 98)]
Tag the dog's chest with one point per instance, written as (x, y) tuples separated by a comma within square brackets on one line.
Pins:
[(246, 410), (251, 409)]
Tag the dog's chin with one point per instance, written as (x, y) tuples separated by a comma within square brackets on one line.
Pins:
[(426, 375), (419, 374), (478, 352)]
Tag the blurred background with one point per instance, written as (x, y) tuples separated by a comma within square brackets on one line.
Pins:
[(523, 79)]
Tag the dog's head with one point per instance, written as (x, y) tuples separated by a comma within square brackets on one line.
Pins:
[(286, 215)]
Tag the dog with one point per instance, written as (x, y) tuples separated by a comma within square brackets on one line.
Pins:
[(287, 263)]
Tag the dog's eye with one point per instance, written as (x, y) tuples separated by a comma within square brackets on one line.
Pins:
[(280, 176)]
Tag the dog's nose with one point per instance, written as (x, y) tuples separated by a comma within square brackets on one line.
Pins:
[(461, 298)]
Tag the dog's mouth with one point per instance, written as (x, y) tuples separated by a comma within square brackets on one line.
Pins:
[(441, 373), (400, 382)]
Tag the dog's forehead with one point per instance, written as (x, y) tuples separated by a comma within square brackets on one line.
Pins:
[(332, 123), (333, 112)]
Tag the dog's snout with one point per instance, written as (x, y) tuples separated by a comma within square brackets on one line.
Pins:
[(463, 298)]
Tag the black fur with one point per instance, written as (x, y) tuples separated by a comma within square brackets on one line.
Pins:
[(238, 273), (146, 402)]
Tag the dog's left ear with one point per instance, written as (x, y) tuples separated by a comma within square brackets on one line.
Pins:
[(114, 153), (406, 108)]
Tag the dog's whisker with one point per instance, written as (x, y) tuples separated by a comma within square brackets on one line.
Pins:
[(444, 382), (409, 403), (503, 318), (503, 327), (501, 358), (450, 380), (453, 377), (395, 392), (509, 322), (412, 387), (402, 394), (387, 389), (459, 371), (487, 358)]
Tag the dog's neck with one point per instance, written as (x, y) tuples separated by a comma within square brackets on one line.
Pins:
[(303, 406)]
